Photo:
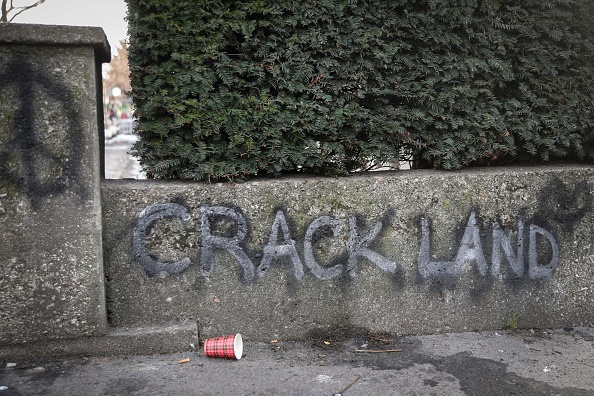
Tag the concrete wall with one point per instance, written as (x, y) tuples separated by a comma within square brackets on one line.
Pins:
[(144, 264), (51, 265), (407, 252)]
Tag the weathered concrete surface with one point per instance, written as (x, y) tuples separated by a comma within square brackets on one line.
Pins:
[(557, 362), (52, 36), (51, 272), (117, 342), (402, 253)]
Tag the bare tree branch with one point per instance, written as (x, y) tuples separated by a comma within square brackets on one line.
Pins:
[(7, 10), (4, 12), (23, 9)]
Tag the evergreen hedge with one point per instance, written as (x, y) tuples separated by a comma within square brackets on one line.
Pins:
[(228, 89)]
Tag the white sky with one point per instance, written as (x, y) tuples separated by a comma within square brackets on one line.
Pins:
[(107, 14)]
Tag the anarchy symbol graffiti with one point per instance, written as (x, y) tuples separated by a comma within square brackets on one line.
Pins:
[(41, 139)]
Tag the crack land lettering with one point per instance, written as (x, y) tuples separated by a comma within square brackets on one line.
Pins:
[(359, 245)]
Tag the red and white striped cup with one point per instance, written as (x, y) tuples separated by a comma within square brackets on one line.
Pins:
[(230, 347)]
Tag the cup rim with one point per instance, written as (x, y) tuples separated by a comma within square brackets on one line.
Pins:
[(238, 346)]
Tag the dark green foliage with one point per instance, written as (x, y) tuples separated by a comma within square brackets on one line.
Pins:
[(228, 89)]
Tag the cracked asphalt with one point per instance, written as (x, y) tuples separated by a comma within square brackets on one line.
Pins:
[(524, 362)]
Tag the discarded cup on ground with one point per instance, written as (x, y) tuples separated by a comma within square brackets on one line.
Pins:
[(230, 347)]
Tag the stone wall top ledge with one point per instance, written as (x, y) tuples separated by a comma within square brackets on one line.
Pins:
[(470, 172), (56, 35)]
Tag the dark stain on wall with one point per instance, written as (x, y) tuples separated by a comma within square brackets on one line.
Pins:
[(560, 207), (25, 147)]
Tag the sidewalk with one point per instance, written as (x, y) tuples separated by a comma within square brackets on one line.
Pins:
[(526, 362), (118, 163)]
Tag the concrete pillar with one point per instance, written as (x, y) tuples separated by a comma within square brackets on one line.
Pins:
[(51, 260)]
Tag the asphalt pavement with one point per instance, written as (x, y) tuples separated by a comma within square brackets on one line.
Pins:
[(524, 362)]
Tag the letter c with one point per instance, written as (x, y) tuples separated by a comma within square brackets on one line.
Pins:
[(144, 224)]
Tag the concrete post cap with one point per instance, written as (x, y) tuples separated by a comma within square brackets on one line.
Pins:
[(57, 35)]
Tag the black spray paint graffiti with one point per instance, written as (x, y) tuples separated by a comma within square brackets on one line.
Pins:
[(561, 206), (471, 251), (281, 245), (320, 272), (144, 224), (232, 244), (31, 155), (273, 250)]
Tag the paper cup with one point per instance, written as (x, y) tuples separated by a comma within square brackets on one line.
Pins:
[(230, 347)]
